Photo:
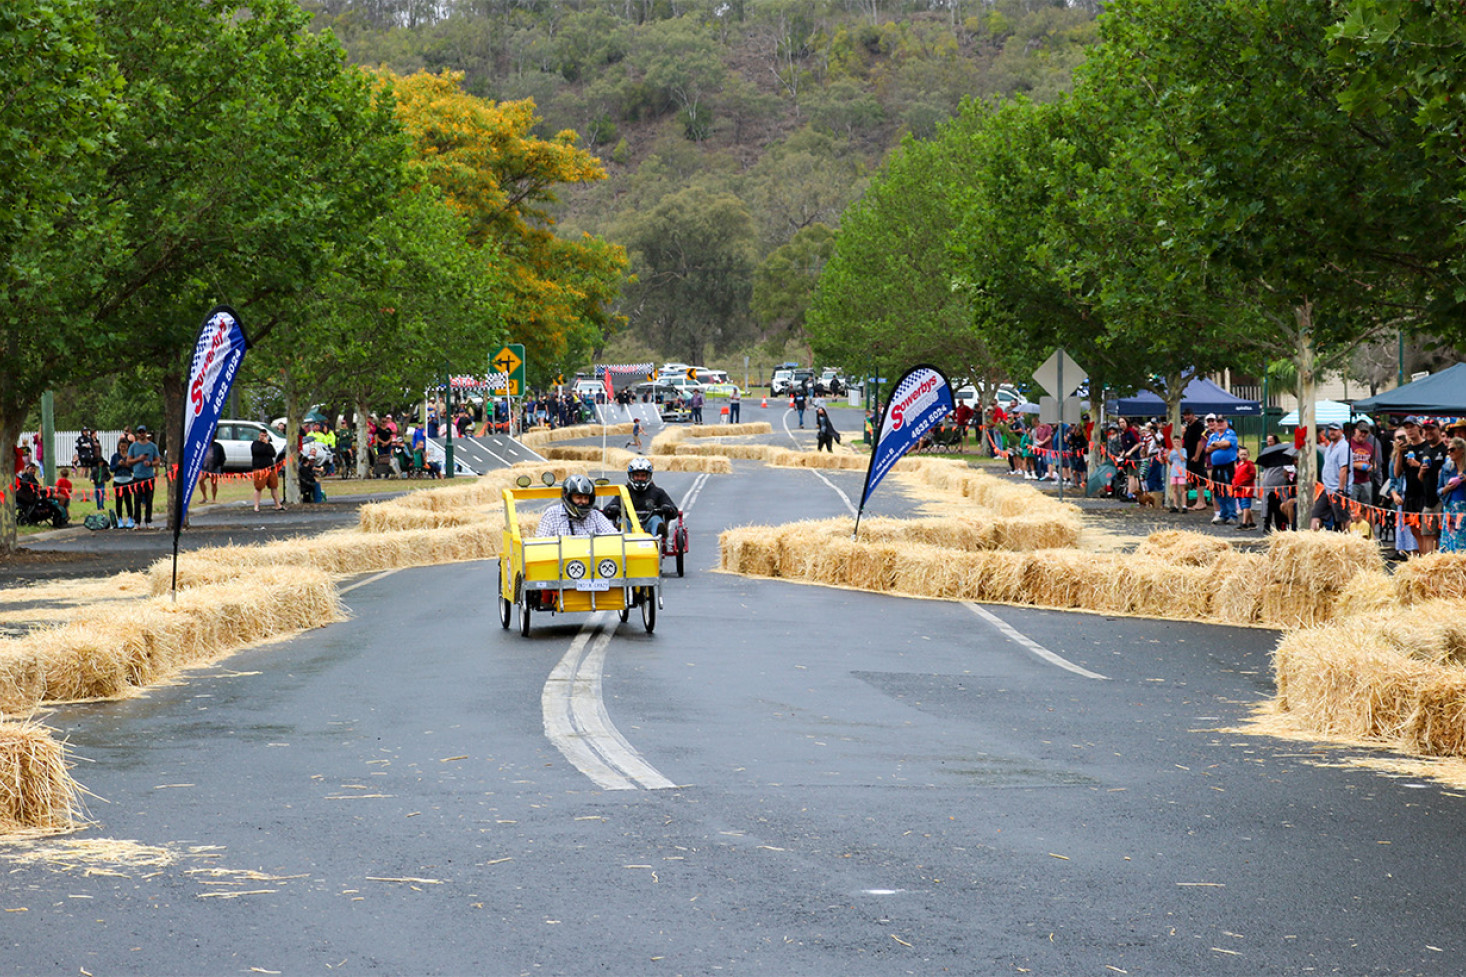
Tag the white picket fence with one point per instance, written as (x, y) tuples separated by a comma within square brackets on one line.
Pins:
[(64, 444)]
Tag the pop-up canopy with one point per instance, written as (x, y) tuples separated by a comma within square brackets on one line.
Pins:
[(1202, 396)]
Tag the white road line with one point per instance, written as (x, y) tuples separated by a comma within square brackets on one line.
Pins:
[(1014, 635), (838, 491), (576, 721), (371, 579), (693, 493), (785, 419)]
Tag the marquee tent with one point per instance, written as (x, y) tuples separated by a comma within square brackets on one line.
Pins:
[(1439, 393), (1201, 395)]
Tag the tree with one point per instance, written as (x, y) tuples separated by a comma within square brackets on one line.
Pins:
[(247, 146), (784, 284), (885, 299), (503, 180), (1233, 136), (694, 258), (59, 104)]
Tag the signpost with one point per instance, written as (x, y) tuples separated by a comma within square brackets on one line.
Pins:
[(510, 362), (1060, 376)]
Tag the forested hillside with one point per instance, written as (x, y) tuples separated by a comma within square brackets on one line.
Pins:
[(734, 132)]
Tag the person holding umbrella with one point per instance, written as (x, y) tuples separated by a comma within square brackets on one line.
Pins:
[(1275, 462)]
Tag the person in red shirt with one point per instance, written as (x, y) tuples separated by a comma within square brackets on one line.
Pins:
[(63, 490), (1244, 487), (964, 418)]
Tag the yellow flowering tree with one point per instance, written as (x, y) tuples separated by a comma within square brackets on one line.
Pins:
[(501, 179)]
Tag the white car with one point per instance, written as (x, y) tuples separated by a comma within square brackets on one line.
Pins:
[(589, 388), (236, 436)]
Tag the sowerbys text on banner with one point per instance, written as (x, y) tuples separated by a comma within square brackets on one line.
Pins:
[(217, 353), (918, 402)]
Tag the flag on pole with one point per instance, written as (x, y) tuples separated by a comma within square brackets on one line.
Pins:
[(918, 402), (217, 353), (607, 372)]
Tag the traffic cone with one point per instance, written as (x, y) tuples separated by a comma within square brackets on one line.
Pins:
[(765, 404)]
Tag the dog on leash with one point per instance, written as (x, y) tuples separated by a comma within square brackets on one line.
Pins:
[(1144, 499)]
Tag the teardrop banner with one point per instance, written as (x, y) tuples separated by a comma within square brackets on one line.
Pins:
[(217, 353), (918, 403)]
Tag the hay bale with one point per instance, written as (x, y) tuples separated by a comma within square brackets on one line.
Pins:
[(1437, 727), (1347, 683), (1070, 579), (750, 550), (37, 792), (1179, 546), (1367, 594), (1433, 577), (1238, 581), (1307, 571), (1050, 531)]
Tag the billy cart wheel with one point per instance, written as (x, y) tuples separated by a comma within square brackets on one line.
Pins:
[(649, 610), (524, 614), (679, 563), (506, 606)]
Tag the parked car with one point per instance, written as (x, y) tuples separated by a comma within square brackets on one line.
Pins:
[(803, 378), (781, 383), (830, 383), (236, 436), (589, 388)]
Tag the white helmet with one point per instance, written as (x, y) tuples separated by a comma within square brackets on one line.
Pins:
[(636, 466)]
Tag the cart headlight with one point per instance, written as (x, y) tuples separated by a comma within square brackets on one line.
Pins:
[(574, 569), (607, 568)]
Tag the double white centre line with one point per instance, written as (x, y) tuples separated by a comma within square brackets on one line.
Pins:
[(574, 707), (576, 720)]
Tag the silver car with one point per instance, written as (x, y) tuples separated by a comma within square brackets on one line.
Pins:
[(236, 437)]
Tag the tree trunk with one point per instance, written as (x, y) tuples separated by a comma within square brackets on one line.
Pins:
[(362, 442), (291, 486), (170, 441), (1175, 392), (1307, 390), (10, 425)]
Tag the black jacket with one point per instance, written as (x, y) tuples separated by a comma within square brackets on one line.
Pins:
[(647, 502)]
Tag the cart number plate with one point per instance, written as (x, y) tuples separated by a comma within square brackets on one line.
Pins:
[(592, 585)]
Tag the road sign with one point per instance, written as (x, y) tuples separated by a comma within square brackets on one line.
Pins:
[(1048, 408), (510, 362), (1060, 371)]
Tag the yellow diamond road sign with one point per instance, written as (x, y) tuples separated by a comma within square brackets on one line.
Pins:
[(506, 362), (510, 362)]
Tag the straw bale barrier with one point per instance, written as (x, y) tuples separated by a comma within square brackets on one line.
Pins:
[(37, 792), (101, 654), (540, 436), (1306, 572), (1437, 576), (619, 457), (342, 551), (1183, 547)]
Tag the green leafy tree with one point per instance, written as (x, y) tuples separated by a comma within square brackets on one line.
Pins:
[(785, 281), (885, 299), (1234, 137), (59, 104), (693, 254)]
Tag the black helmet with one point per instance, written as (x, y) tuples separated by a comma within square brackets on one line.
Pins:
[(636, 466), (576, 485)]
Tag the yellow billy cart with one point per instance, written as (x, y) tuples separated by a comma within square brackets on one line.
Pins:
[(577, 574)]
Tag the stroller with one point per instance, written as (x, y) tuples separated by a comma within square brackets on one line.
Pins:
[(33, 508)]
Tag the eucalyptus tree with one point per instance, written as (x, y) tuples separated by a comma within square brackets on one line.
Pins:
[(59, 106), (1237, 158), (248, 147)]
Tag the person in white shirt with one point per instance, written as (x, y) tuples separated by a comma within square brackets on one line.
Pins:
[(576, 515)]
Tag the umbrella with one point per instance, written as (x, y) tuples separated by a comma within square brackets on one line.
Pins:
[(1024, 408), (1276, 456), (1324, 412), (314, 417)]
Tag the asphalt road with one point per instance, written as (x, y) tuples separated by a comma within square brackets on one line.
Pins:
[(862, 784)]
